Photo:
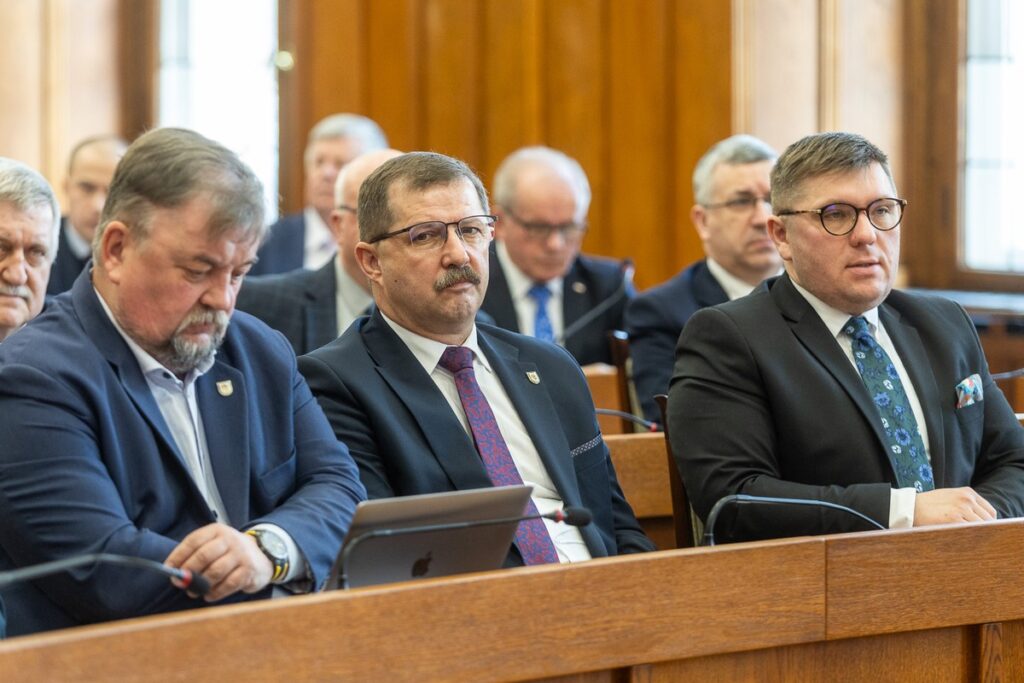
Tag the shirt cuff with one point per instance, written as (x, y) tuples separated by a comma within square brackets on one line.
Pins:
[(297, 567), (901, 508)]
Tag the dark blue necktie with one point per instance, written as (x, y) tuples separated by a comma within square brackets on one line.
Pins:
[(542, 328), (906, 449)]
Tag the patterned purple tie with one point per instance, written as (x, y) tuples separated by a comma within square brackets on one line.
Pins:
[(532, 537)]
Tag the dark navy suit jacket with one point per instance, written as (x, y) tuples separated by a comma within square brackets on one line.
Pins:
[(66, 267), (764, 401), (89, 465), (654, 320), (285, 248), (407, 440), (590, 281)]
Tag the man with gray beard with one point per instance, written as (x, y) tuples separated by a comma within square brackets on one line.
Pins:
[(135, 421)]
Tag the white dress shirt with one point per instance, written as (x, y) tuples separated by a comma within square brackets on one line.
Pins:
[(350, 299), (526, 306), (734, 287), (79, 246), (319, 244), (901, 501), (568, 541)]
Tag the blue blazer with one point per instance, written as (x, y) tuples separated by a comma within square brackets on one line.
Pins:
[(407, 440), (285, 248), (590, 281), (89, 465), (654, 320), (66, 267)]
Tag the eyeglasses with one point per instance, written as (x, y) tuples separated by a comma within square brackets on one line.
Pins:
[(740, 204), (570, 232), (474, 231), (840, 219)]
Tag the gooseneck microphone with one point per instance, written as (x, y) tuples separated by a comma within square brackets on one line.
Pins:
[(571, 515), (195, 583), (628, 271), (646, 424), (744, 499)]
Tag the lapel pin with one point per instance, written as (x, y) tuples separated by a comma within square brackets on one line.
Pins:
[(225, 388), (533, 377), (579, 287)]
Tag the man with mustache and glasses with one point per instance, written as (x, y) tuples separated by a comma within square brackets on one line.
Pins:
[(827, 384), (29, 224), (428, 400), (137, 421)]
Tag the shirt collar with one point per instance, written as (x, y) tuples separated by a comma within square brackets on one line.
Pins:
[(833, 318), (151, 367), (519, 283), (76, 243), (349, 290), (734, 287), (428, 351)]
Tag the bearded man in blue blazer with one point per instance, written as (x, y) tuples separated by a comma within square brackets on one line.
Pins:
[(136, 422), (516, 410)]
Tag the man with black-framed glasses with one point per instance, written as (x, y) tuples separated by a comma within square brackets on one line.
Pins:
[(540, 283), (827, 384), (730, 186), (430, 400)]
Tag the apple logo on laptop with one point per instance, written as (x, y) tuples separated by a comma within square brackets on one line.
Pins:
[(421, 566)]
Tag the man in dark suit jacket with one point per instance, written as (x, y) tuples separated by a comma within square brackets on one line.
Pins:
[(541, 200), (136, 422), (768, 398), (387, 394), (90, 169), (730, 184), (304, 240)]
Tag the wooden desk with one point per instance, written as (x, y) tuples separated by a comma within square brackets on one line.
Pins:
[(920, 605)]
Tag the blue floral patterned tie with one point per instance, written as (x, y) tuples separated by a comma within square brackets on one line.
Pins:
[(542, 328), (906, 449), (532, 536)]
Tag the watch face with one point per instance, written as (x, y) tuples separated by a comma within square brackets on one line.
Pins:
[(272, 544)]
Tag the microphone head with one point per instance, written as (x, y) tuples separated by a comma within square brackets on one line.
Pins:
[(194, 582), (576, 516)]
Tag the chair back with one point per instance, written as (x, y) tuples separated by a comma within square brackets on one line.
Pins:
[(688, 527)]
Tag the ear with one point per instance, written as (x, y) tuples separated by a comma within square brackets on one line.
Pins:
[(334, 223), (369, 262), (698, 216), (501, 224), (779, 233), (116, 241)]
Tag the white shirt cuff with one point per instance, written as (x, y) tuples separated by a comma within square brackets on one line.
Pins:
[(901, 508), (296, 560)]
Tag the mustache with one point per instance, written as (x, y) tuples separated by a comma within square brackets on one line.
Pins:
[(456, 275), (16, 290), (219, 319)]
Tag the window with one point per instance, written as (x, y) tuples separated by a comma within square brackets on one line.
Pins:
[(216, 76)]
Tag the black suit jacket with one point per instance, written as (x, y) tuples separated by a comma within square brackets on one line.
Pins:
[(407, 440), (66, 267), (765, 402), (590, 281), (300, 304), (285, 248), (654, 320)]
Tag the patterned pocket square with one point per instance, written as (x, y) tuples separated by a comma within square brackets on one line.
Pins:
[(969, 391)]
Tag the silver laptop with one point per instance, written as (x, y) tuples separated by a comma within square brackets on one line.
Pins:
[(372, 555)]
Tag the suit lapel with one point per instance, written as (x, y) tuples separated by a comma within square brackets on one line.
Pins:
[(706, 289), (915, 359), (577, 299), (222, 400), (450, 444), (498, 300), (321, 310)]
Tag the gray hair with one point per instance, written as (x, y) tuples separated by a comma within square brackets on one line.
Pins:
[(559, 162), (25, 189), (167, 168), (735, 150), (347, 126), (418, 171), (821, 154)]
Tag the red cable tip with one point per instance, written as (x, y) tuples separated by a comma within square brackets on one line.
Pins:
[(186, 578)]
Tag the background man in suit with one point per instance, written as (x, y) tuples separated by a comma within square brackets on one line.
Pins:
[(429, 401), (29, 220), (825, 384), (90, 169), (303, 240), (730, 184), (312, 308), (540, 284), (135, 421)]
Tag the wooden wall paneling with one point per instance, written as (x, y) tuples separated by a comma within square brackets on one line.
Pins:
[(396, 63), (639, 160), (22, 75), (575, 118), (452, 98), (702, 80), (137, 60), (294, 109), (512, 108), (337, 66)]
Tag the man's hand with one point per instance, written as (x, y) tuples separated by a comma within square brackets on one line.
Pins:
[(949, 506), (229, 559)]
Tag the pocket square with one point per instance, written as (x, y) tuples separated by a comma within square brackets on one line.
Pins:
[(969, 391)]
